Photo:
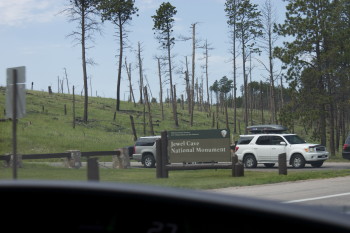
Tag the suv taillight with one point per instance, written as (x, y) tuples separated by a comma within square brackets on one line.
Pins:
[(345, 146), (134, 149), (236, 148)]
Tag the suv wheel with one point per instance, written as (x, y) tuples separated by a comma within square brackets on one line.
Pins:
[(250, 161), (298, 161), (149, 161)]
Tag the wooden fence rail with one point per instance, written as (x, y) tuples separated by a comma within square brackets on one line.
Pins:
[(60, 155), (72, 157)]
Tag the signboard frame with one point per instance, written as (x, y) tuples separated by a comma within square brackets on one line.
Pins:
[(189, 146), (16, 78)]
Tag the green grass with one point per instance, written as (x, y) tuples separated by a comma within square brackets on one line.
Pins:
[(46, 128), (190, 179)]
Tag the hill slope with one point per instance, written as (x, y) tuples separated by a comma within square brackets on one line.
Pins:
[(48, 124)]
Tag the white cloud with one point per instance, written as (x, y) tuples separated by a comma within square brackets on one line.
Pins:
[(19, 12), (145, 5)]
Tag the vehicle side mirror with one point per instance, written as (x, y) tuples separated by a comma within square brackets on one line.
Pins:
[(283, 143)]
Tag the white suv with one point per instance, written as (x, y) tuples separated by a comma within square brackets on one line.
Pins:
[(264, 149)]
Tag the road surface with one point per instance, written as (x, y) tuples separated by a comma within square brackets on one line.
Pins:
[(332, 193), (308, 167)]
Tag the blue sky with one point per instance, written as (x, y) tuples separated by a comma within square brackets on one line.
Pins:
[(33, 34)]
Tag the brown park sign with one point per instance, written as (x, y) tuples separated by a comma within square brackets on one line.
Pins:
[(199, 146)]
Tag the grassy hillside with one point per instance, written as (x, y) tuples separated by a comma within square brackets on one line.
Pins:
[(46, 128)]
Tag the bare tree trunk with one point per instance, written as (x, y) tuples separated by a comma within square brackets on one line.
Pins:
[(140, 72), (226, 114), (161, 89), (144, 119), (86, 98), (149, 111), (269, 22), (245, 81), (217, 115), (65, 73), (128, 71), (207, 73), (262, 103), (173, 100), (188, 89), (193, 70), (251, 95), (61, 82), (73, 109), (120, 65), (281, 93), (175, 107)]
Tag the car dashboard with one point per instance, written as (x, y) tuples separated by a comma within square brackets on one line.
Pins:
[(45, 206)]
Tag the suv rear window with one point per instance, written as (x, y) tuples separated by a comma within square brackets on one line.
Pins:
[(146, 142), (244, 140), (347, 140), (263, 140)]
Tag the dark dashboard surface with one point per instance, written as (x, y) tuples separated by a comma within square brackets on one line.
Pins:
[(45, 206)]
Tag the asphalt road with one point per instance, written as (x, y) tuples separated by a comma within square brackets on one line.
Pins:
[(308, 167), (261, 167), (333, 193)]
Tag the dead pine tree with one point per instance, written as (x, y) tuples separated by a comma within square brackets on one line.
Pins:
[(66, 75), (175, 106), (163, 25), (188, 87), (83, 12), (128, 71), (194, 46), (139, 58), (147, 102), (160, 88), (268, 43), (206, 48), (119, 13)]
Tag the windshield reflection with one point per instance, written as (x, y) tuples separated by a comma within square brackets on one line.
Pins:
[(294, 139)]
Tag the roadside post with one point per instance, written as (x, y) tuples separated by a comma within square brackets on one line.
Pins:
[(239, 170), (15, 106), (164, 154), (237, 167), (282, 164), (159, 167), (234, 161), (93, 170)]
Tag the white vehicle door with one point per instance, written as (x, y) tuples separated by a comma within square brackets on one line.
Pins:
[(262, 149), (276, 147)]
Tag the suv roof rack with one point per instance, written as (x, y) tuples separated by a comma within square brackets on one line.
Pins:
[(256, 129)]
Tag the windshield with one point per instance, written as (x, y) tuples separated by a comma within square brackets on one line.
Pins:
[(75, 96), (294, 139)]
